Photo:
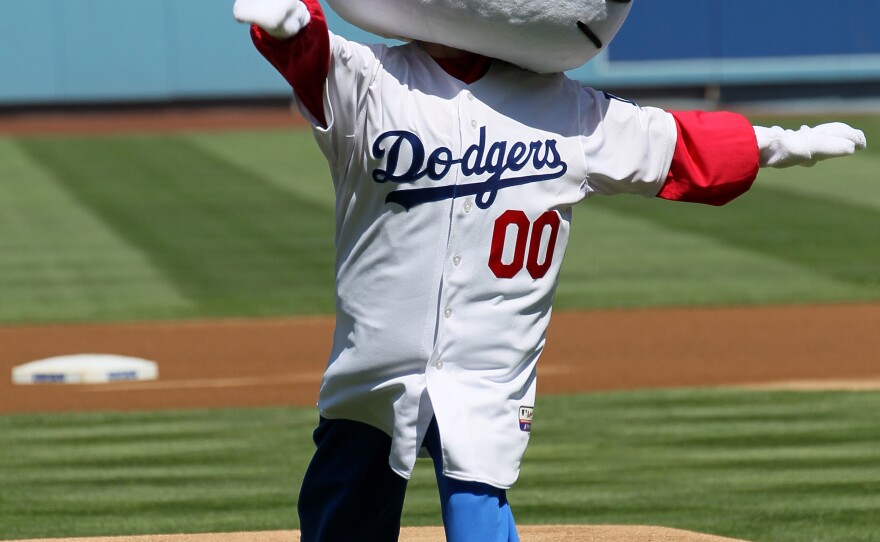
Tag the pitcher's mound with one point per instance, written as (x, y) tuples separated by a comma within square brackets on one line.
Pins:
[(544, 533)]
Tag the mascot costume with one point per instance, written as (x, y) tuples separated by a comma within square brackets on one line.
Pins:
[(456, 159)]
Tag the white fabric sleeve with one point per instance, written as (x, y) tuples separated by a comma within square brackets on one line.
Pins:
[(353, 69), (628, 149)]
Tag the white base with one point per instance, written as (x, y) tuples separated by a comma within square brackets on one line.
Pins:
[(85, 369)]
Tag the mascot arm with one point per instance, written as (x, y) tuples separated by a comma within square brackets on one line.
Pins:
[(303, 60), (716, 158), (718, 155)]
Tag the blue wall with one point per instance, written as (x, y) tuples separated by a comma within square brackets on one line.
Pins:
[(674, 42), (106, 50), (748, 29), (122, 50), (81, 50)]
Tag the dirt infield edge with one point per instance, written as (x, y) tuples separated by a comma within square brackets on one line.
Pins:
[(543, 533)]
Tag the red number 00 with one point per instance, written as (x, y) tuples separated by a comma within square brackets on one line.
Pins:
[(524, 243)]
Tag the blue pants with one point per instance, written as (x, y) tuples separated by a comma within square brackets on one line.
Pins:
[(350, 494)]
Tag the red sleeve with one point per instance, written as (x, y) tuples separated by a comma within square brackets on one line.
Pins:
[(303, 60), (715, 160)]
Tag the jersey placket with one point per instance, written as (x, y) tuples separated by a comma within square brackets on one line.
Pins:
[(460, 247)]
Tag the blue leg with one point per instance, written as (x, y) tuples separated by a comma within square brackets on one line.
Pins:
[(472, 511), (349, 492)]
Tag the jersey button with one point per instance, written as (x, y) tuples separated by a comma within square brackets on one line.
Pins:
[(439, 365), (447, 313), (456, 261), (468, 206), (470, 96), (474, 124)]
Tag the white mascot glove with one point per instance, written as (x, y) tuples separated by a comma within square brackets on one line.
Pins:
[(784, 148), (282, 19)]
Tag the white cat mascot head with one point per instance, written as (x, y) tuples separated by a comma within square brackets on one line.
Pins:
[(545, 37)]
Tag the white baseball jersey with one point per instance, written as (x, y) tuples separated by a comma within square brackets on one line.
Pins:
[(453, 214)]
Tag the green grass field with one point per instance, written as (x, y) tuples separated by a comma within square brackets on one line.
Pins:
[(774, 467), (231, 224), (197, 225)]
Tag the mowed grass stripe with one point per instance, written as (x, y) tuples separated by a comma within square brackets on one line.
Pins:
[(831, 238), (240, 224), (229, 241), (289, 160), (150, 472), (655, 456), (57, 258), (853, 181), (763, 466), (618, 260)]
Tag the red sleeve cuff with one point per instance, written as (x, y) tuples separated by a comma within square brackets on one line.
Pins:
[(715, 160), (303, 60)]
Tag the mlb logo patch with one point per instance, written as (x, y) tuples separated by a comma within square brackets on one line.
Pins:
[(525, 418)]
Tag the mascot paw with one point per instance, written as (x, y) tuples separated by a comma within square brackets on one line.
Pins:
[(780, 148), (281, 19)]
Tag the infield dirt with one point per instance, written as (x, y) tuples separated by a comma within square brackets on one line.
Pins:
[(280, 361)]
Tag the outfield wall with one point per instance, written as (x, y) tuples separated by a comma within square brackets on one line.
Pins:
[(57, 51), (743, 42)]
